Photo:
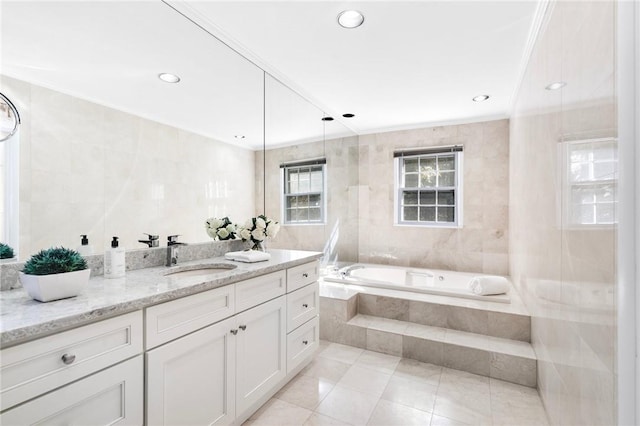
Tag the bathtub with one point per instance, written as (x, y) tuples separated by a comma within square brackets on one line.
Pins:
[(430, 281)]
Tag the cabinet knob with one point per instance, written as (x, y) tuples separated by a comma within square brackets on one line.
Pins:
[(306, 342), (243, 327), (305, 275), (234, 332), (68, 358), (304, 305)]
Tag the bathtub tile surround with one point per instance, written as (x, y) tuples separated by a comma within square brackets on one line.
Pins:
[(412, 393), (457, 334), (566, 274), (90, 169), (482, 244)]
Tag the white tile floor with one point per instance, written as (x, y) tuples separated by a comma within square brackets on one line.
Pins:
[(344, 385)]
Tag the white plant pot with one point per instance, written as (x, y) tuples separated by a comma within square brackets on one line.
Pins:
[(46, 288), (8, 260)]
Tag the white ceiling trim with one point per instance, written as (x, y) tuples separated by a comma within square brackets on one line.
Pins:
[(537, 25), (428, 124)]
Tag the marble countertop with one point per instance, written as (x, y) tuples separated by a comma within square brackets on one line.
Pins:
[(23, 319)]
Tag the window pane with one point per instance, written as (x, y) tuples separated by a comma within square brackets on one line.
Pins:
[(604, 170), (314, 214), (446, 179), (303, 201), (410, 213), (411, 165), (410, 198), (604, 151), (445, 163), (314, 200), (605, 193), (316, 179), (291, 202), (427, 197), (289, 215), (582, 214), (605, 213), (579, 172), (292, 181), (303, 180), (582, 195), (580, 153), (411, 181), (301, 215), (446, 198), (445, 214), (428, 171), (428, 178), (427, 214)]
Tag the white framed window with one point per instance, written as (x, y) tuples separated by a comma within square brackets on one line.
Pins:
[(591, 177), (429, 187), (303, 192)]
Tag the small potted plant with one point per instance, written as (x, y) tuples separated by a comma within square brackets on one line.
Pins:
[(6, 253), (54, 273)]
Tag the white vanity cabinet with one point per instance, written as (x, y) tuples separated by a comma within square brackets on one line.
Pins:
[(94, 375)]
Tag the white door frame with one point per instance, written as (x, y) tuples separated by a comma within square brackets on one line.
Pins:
[(628, 291)]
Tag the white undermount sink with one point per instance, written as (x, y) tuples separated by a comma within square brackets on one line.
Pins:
[(197, 270)]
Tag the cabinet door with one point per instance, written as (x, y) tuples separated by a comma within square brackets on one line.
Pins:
[(190, 381), (261, 351), (111, 397)]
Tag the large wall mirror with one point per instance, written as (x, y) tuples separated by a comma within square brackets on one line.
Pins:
[(109, 149)]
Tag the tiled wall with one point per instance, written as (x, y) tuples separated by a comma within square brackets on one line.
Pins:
[(566, 274), (342, 197), (481, 245), (89, 169)]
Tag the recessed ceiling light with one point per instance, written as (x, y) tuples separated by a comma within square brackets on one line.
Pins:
[(480, 98), (348, 115), (327, 119), (239, 136), (168, 78), (350, 19), (557, 85)]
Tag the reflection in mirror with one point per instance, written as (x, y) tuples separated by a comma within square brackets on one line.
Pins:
[(311, 176), (107, 147), (9, 185)]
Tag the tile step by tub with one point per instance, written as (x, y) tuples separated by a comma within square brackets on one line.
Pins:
[(510, 360)]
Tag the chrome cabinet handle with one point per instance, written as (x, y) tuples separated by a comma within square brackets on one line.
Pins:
[(243, 327), (304, 305), (234, 332), (306, 342), (305, 275), (68, 358)]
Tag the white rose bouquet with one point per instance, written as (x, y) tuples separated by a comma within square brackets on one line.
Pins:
[(221, 229), (257, 229)]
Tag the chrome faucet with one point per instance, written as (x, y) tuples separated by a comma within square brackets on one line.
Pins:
[(172, 250), (153, 240)]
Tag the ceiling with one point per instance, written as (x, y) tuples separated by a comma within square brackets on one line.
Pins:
[(411, 64)]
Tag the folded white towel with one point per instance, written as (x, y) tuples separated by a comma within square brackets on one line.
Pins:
[(488, 285), (248, 256)]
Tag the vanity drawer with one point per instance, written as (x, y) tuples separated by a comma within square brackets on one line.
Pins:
[(258, 290), (302, 305), (300, 276), (171, 320), (302, 342), (33, 368), (114, 396)]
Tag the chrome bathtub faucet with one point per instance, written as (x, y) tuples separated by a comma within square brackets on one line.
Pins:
[(172, 249)]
